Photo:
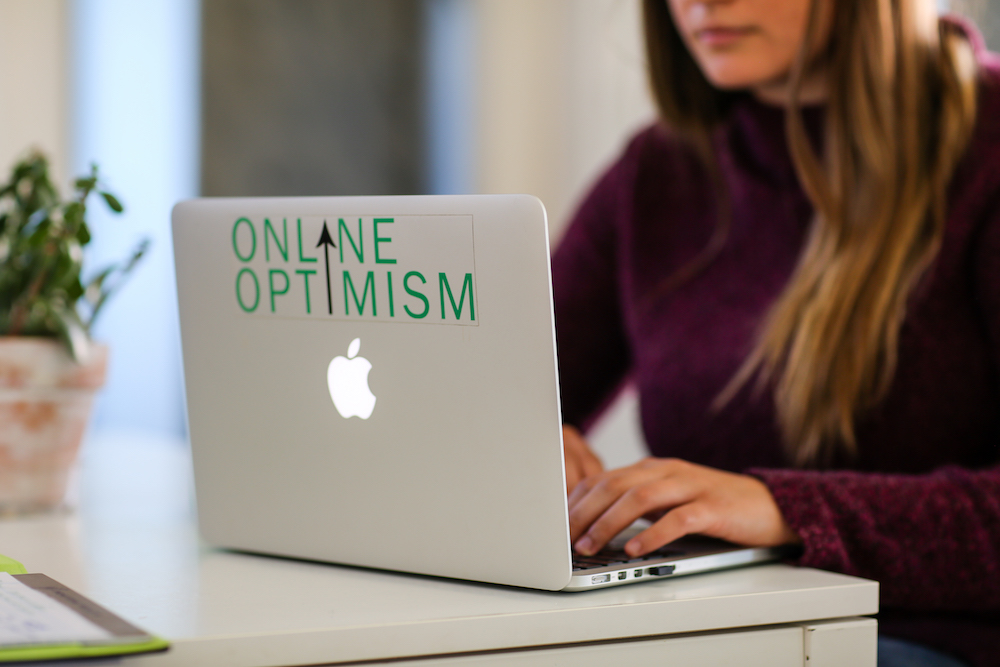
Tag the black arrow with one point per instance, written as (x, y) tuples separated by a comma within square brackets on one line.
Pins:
[(326, 242)]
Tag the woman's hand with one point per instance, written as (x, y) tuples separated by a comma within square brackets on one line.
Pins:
[(681, 498), (581, 461)]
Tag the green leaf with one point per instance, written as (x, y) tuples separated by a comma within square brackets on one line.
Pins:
[(35, 219), (74, 291), (110, 280), (95, 286), (85, 183), (113, 202), (137, 254), (72, 332), (73, 212), (39, 236), (83, 233)]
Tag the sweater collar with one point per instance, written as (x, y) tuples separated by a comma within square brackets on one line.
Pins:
[(753, 139)]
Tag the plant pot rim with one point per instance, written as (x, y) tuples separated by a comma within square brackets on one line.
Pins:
[(38, 362)]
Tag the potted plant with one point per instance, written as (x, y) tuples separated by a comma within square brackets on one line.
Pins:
[(49, 369)]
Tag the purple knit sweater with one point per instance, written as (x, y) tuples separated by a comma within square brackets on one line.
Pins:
[(919, 509)]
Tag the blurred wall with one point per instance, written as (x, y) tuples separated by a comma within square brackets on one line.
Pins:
[(34, 83), (312, 97), (135, 113), (561, 87)]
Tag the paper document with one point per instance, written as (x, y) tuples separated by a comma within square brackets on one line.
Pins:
[(28, 617)]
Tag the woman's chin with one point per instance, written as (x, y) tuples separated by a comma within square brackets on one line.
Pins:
[(734, 81), (739, 72)]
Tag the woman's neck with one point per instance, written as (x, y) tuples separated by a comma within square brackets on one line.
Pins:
[(812, 91)]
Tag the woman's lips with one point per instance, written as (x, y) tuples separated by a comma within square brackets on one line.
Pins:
[(720, 36)]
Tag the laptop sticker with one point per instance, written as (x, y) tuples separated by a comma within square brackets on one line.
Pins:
[(415, 268)]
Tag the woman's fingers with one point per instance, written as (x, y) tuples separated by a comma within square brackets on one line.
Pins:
[(574, 472), (603, 514), (694, 517), (594, 495), (613, 483), (581, 462), (640, 488)]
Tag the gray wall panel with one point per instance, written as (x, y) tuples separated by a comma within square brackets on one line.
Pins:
[(312, 97)]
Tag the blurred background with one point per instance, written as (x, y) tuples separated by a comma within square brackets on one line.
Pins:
[(180, 98)]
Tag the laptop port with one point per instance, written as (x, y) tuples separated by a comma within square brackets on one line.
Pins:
[(637, 574), (600, 579), (661, 570), (622, 575)]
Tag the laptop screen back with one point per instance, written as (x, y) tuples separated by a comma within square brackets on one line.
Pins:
[(372, 381)]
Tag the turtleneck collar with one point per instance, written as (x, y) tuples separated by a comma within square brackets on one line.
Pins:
[(753, 139)]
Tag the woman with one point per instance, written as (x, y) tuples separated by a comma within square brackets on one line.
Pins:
[(799, 269)]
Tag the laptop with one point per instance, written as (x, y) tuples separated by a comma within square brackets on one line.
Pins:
[(372, 381)]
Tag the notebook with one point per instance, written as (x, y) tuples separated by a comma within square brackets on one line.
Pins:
[(372, 381), (40, 619)]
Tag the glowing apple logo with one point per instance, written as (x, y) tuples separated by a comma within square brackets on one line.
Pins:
[(348, 381)]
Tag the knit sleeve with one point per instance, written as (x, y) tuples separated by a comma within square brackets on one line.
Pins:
[(592, 347), (931, 540)]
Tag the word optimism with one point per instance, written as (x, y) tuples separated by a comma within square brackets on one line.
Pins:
[(408, 268)]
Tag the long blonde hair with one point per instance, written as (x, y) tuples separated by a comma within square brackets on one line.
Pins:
[(900, 112)]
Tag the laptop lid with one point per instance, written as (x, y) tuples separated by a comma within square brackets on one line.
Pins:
[(372, 381)]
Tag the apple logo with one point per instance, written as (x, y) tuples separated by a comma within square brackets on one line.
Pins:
[(347, 378)]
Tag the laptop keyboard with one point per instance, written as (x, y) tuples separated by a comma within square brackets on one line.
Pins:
[(607, 557)]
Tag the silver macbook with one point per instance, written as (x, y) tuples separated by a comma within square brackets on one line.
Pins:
[(372, 381)]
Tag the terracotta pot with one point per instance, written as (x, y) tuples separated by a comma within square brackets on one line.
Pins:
[(45, 402)]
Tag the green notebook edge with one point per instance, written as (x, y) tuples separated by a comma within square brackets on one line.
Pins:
[(67, 651), (11, 566)]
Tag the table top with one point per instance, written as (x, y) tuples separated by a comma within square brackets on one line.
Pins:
[(132, 545)]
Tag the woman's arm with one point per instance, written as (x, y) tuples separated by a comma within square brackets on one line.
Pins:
[(932, 541)]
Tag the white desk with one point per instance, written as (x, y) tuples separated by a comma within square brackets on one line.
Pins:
[(133, 547)]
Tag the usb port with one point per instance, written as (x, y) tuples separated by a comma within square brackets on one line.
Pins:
[(622, 575)]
